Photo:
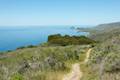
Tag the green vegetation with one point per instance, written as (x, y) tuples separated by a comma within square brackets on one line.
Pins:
[(52, 60), (29, 46), (17, 76), (69, 40), (40, 63), (104, 63)]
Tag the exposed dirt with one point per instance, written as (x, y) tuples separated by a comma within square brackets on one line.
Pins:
[(76, 73)]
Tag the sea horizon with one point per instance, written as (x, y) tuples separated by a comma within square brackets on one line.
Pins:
[(12, 38)]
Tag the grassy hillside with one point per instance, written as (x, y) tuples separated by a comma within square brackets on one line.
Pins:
[(104, 62), (105, 31), (40, 63)]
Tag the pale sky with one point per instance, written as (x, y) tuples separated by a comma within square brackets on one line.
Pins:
[(58, 12)]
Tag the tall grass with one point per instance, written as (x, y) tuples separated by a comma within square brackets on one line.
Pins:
[(40, 63)]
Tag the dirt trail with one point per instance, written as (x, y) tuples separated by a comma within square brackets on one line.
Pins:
[(76, 73), (87, 55)]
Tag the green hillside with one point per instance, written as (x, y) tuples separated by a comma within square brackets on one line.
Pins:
[(103, 31), (40, 62), (104, 63), (106, 31)]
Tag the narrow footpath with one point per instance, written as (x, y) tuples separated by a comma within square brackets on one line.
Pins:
[(76, 73)]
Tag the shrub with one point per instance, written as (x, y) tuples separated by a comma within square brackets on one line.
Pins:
[(17, 76), (69, 40), (22, 47), (29, 46)]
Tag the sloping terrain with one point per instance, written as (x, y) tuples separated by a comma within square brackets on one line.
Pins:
[(104, 63), (76, 72), (105, 31), (40, 63)]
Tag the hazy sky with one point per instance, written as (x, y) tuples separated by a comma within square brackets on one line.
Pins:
[(58, 12)]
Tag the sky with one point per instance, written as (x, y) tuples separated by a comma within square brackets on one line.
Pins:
[(58, 12)]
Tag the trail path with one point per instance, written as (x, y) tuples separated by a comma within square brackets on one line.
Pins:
[(76, 73), (87, 55)]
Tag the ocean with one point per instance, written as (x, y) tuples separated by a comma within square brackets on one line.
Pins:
[(12, 38)]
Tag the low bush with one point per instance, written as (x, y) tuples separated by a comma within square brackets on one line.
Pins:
[(69, 40)]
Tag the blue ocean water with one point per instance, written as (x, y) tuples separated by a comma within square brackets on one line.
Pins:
[(11, 38)]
